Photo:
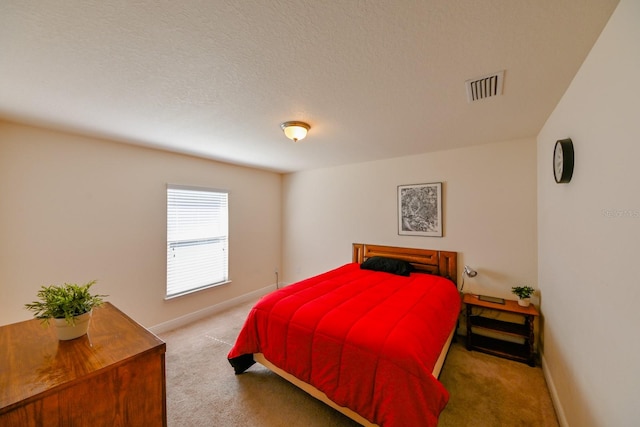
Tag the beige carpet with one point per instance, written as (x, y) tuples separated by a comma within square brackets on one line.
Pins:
[(202, 389)]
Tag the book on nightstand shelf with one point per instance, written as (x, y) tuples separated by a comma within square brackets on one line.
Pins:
[(488, 298)]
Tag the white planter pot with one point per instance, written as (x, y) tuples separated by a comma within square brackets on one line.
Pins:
[(524, 302), (68, 332)]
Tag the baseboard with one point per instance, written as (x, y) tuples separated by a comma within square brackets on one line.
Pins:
[(562, 419), (208, 311)]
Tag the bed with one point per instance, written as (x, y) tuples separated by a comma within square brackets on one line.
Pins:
[(368, 338)]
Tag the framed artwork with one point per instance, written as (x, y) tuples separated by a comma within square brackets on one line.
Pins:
[(420, 210)]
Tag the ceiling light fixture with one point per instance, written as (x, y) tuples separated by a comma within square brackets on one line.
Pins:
[(295, 131)]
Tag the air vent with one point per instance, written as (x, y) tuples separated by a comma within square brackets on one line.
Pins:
[(485, 87)]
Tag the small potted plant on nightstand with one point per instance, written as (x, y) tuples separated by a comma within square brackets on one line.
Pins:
[(69, 306), (524, 294)]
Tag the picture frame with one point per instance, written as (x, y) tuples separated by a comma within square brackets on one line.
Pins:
[(420, 210)]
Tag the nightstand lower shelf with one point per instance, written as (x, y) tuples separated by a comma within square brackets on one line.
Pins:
[(497, 347)]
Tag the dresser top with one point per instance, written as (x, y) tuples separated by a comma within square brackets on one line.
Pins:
[(33, 361)]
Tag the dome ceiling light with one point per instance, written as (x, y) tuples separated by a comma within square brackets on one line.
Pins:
[(295, 131)]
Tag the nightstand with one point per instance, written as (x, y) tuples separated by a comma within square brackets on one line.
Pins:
[(479, 320)]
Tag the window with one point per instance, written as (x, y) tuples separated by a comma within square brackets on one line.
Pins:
[(197, 239)]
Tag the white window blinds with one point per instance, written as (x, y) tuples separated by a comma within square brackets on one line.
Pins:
[(197, 239)]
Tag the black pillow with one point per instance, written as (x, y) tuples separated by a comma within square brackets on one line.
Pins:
[(388, 265)]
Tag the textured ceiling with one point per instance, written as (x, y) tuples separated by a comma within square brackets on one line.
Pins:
[(374, 78)]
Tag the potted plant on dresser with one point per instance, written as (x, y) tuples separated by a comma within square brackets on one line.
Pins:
[(69, 305), (524, 294)]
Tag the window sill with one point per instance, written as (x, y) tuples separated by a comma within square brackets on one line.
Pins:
[(193, 291)]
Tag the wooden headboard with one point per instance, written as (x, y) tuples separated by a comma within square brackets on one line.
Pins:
[(440, 263)]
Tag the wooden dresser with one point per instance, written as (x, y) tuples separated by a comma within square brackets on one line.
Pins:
[(114, 376)]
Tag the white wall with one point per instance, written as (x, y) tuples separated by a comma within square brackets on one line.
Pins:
[(589, 235), (489, 212), (76, 208)]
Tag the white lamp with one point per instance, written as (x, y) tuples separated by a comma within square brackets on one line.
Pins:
[(295, 131)]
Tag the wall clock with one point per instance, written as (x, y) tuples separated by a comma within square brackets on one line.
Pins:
[(563, 161)]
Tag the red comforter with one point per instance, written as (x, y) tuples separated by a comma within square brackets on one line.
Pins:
[(368, 340)]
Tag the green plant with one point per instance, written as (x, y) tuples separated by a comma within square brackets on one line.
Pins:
[(64, 302), (523, 291)]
